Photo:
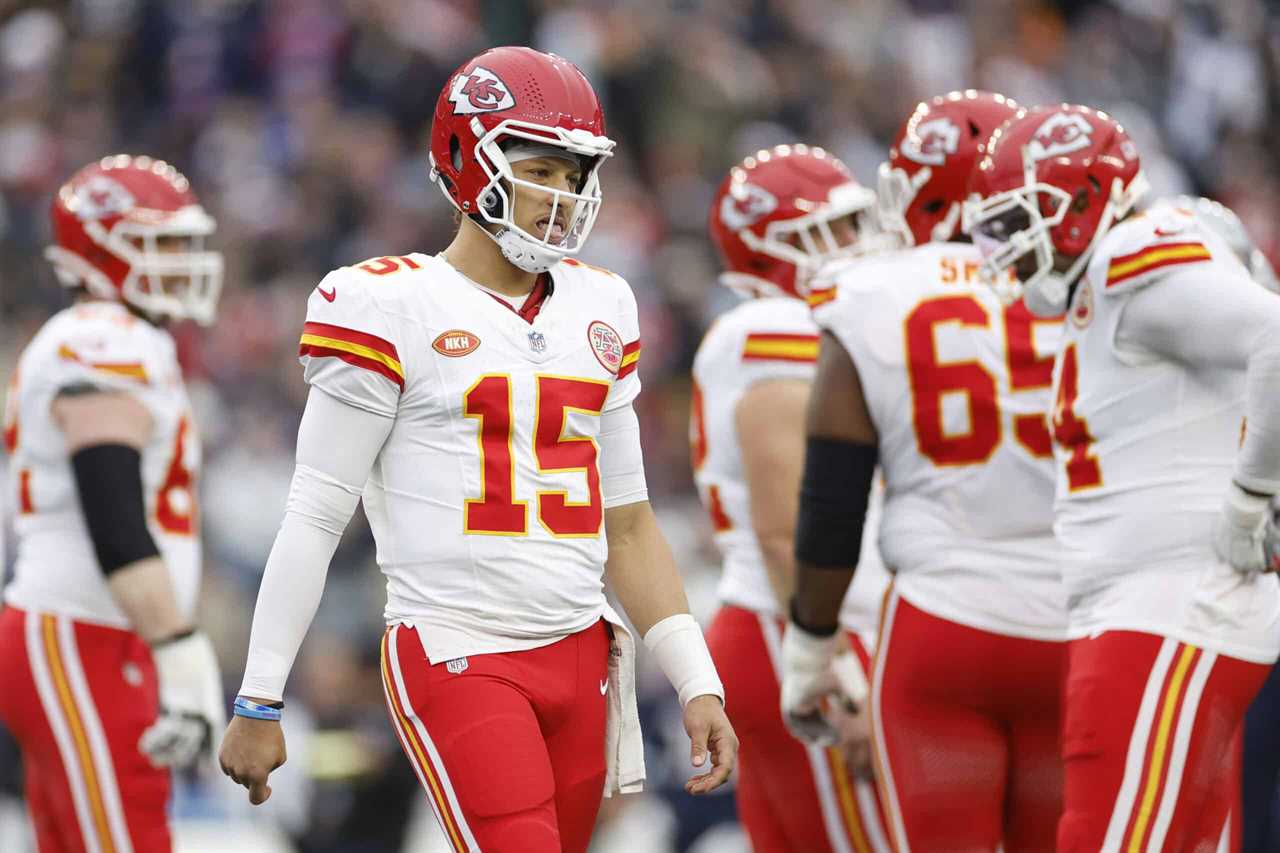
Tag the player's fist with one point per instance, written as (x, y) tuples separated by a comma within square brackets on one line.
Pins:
[(191, 709), (807, 679), (709, 732), (251, 749), (1240, 534)]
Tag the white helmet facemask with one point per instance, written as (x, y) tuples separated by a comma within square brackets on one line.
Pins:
[(563, 231), (179, 285)]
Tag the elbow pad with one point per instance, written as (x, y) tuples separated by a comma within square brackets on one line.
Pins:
[(834, 492), (109, 480)]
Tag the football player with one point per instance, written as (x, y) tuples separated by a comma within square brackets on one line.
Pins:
[(777, 216), (922, 369), (107, 681), (1166, 431), (480, 401)]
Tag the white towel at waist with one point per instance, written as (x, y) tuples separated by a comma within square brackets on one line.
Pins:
[(624, 745)]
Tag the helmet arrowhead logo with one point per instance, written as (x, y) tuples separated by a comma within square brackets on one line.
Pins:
[(931, 142), (480, 91), (745, 205), (1061, 133), (98, 198)]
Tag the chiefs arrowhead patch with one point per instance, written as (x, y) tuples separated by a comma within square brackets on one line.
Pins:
[(455, 343), (606, 344)]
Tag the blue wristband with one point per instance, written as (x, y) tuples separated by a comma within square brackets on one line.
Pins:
[(245, 708)]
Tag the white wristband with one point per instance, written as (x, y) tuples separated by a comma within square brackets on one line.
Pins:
[(677, 644)]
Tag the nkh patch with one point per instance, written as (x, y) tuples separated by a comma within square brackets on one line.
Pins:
[(606, 344), (457, 665)]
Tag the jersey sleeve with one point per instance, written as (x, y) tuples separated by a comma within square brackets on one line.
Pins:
[(348, 346), (626, 385), (106, 355), (1152, 248)]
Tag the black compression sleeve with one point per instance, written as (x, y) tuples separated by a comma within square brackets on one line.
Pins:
[(833, 502), (109, 479)]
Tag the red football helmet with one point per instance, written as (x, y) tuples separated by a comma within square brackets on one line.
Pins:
[(517, 96), (1052, 182), (922, 186), (108, 221), (772, 219)]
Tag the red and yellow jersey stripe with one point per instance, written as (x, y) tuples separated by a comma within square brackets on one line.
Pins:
[(1126, 267), (630, 359), (127, 369), (360, 349), (821, 297), (769, 346)]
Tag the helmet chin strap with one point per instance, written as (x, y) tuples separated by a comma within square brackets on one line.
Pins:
[(522, 253)]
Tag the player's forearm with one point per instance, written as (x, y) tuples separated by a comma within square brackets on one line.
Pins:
[(1258, 462), (643, 575), (143, 590), (641, 570), (778, 551), (292, 586)]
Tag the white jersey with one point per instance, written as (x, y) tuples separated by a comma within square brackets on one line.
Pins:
[(485, 502), (100, 345), (1145, 451), (958, 389), (758, 340)]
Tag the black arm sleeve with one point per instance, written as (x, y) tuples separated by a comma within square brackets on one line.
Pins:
[(833, 502), (109, 479)]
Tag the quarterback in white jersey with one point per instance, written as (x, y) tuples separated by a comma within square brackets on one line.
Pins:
[(481, 399), (104, 456), (923, 369), (1164, 402), (778, 215)]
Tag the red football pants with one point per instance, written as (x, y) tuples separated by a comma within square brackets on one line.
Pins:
[(966, 729), (77, 697), (791, 798), (510, 750), (1151, 742)]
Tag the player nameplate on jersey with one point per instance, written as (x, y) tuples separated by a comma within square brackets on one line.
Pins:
[(537, 342), (457, 665)]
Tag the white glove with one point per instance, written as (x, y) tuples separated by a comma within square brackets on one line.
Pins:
[(807, 679), (1239, 531), (191, 706), (848, 672)]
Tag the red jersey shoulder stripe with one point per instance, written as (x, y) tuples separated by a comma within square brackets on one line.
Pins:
[(359, 349), (821, 297), (1125, 267), (630, 358), (778, 346)]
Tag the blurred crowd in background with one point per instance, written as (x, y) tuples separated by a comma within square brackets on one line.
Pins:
[(302, 125)]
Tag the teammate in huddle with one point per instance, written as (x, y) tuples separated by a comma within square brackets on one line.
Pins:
[(924, 370), (480, 402), (106, 681), (777, 217), (1166, 430)]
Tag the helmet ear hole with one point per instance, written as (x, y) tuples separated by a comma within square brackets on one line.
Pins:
[(933, 205), (455, 153), (1081, 201)]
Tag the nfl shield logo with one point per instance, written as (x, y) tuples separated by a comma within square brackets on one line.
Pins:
[(537, 342), (457, 665)]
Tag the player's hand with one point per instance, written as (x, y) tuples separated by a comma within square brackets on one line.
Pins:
[(709, 732), (807, 679), (251, 749), (853, 726), (1243, 534), (191, 704)]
